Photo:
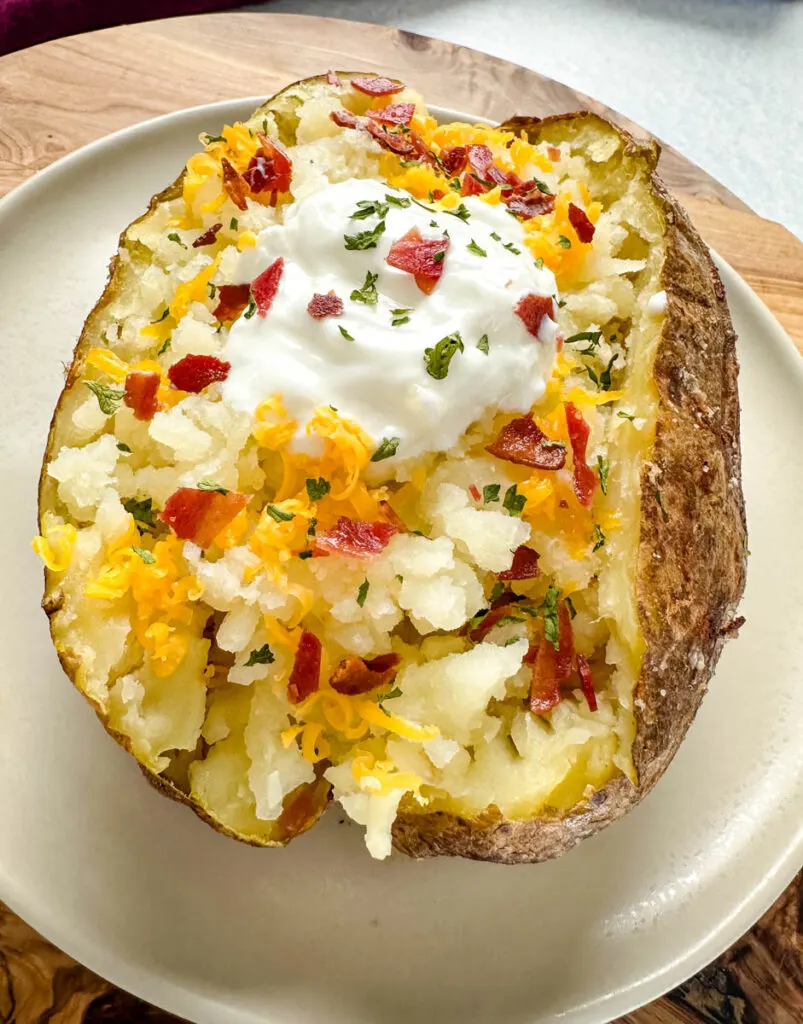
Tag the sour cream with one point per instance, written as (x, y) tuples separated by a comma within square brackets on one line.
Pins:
[(370, 370)]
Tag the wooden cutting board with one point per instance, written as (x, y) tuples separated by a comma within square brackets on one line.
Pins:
[(65, 94)]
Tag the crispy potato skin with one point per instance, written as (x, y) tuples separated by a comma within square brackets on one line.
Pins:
[(686, 596), (692, 549)]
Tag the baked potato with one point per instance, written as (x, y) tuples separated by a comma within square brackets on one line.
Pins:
[(398, 464)]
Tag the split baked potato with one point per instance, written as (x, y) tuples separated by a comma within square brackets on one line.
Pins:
[(398, 463)]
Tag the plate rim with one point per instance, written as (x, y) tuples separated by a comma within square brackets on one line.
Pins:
[(206, 1009)]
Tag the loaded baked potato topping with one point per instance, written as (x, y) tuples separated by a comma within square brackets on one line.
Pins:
[(344, 489)]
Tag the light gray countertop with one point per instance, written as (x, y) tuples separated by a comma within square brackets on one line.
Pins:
[(721, 80)]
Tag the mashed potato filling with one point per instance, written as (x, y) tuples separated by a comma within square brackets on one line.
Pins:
[(371, 546)]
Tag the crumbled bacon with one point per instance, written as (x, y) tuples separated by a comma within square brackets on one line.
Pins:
[(333, 79), (390, 515), (524, 566), (587, 682), (264, 287), (472, 187), (401, 145), (234, 185), (492, 618), (270, 169), (552, 667), (534, 204), (306, 671), (531, 310), (481, 161), (581, 224), (232, 300), (140, 393), (355, 539), (522, 441), (584, 478), (199, 516), (422, 258), (302, 808), (354, 676), (376, 86), (208, 237), (345, 119), (395, 113), (321, 306), (193, 373), (474, 491), (453, 159)]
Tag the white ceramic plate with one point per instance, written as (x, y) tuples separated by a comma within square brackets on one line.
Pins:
[(141, 891)]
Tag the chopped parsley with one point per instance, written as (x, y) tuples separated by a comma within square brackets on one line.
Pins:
[(163, 316), (603, 380), (362, 593), (476, 249), (305, 554), (345, 334), (212, 485), (108, 398), (317, 489), (365, 239), (278, 514), (173, 237), (512, 248), (165, 347), (387, 448), (570, 606), (626, 416), (212, 290), (410, 163), (514, 502), (599, 537), (549, 610), (142, 511), (400, 316), (402, 201), (368, 293), (145, 555), (592, 336), (233, 224), (395, 692), (564, 242), (311, 527), (261, 656), (215, 138), (455, 184), (438, 257), (490, 492), (542, 187), (539, 262), (437, 359), (475, 620), (498, 590), (461, 213), (482, 344), (252, 308), (368, 208), (123, 447), (602, 468)]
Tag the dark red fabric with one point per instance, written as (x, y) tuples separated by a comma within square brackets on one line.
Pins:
[(28, 22)]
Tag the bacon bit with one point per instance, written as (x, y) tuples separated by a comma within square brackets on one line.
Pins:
[(552, 667), (234, 185), (416, 256), (474, 491), (553, 152), (481, 161), (140, 394), (396, 113), (306, 668), (587, 682), (302, 808), (354, 676), (536, 204), (270, 169), (532, 309), (524, 566), (454, 159), (581, 224), (194, 373), (523, 442), (390, 515), (345, 119), (199, 516), (487, 623), (321, 306), (355, 539), (585, 480), (208, 237), (232, 300), (264, 287), (376, 86), (333, 79), (401, 145), (422, 149), (472, 187)]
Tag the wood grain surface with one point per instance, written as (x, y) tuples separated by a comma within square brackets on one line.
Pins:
[(62, 95)]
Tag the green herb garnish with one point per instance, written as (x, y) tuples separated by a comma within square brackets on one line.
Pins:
[(233, 224), (386, 449), (261, 656), (539, 262), (437, 359), (108, 398), (626, 416), (145, 555), (123, 447), (215, 138), (305, 554), (317, 489), (482, 344), (345, 334), (476, 249), (212, 485), (252, 308), (362, 593), (165, 347), (402, 201), (549, 610), (564, 242), (514, 502), (461, 213), (173, 237), (365, 239), (570, 606), (278, 514), (592, 336), (142, 511), (368, 208), (490, 492), (602, 468), (399, 317), (497, 591), (367, 294), (660, 500), (599, 537)]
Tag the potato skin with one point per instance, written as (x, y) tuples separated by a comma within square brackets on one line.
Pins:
[(692, 550), (686, 596)]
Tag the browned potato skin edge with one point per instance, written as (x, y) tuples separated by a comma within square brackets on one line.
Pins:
[(673, 624), (692, 550)]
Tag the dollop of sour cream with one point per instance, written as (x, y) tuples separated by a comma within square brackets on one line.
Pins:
[(371, 371)]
